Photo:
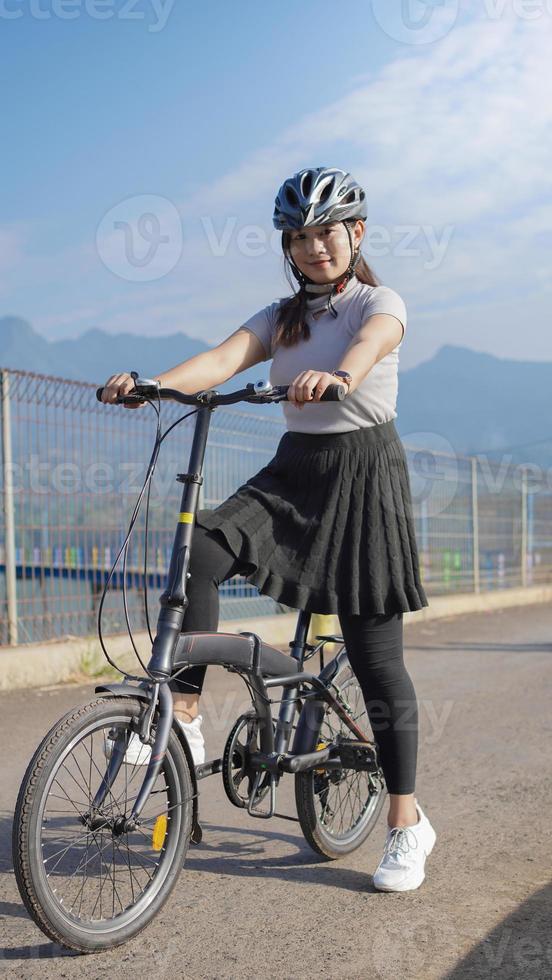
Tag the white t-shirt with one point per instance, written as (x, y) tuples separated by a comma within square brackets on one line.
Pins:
[(375, 399)]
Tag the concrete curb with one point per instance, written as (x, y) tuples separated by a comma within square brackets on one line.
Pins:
[(70, 658)]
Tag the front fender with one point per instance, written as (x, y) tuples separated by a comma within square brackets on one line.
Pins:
[(140, 691)]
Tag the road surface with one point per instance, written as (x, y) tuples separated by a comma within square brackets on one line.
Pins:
[(253, 900)]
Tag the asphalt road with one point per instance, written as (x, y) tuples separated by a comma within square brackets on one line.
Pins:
[(253, 900)]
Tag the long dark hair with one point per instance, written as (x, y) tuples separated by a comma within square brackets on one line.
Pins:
[(291, 325)]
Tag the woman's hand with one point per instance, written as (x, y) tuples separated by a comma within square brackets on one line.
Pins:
[(309, 386), (119, 384)]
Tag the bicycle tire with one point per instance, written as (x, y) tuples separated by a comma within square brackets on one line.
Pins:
[(48, 913), (310, 785)]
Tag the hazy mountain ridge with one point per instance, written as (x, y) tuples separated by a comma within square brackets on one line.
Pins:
[(480, 403), (96, 354), (477, 402)]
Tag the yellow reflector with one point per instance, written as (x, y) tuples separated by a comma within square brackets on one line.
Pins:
[(319, 747), (185, 517), (159, 832)]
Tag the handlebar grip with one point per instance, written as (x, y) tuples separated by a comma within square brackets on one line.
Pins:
[(128, 399), (334, 393)]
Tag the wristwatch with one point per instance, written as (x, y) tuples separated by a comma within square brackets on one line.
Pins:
[(344, 376)]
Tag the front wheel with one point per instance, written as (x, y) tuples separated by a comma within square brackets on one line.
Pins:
[(338, 808), (85, 883)]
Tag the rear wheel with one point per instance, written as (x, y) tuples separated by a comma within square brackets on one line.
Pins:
[(339, 808), (85, 883)]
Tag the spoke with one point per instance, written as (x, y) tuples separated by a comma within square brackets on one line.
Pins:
[(99, 898), (68, 798), (102, 775), (91, 833), (65, 849), (65, 798), (153, 792), (112, 880), (129, 868), (66, 812), (80, 866), (346, 800), (143, 857), (76, 761), (79, 787)]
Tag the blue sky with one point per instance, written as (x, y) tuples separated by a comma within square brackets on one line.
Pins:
[(142, 153)]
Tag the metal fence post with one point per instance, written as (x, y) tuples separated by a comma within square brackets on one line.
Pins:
[(475, 525), (524, 527), (9, 521)]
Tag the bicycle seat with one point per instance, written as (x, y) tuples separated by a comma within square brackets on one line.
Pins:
[(231, 650)]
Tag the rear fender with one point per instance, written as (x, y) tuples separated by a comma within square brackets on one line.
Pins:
[(313, 710)]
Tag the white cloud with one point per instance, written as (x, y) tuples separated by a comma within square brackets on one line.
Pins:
[(456, 134)]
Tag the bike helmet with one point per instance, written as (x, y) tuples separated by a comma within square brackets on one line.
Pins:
[(317, 196)]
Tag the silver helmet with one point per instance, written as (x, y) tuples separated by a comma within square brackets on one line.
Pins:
[(318, 195)]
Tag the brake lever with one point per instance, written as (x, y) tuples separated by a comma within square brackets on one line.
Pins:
[(147, 386)]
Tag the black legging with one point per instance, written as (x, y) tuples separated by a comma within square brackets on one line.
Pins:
[(374, 646)]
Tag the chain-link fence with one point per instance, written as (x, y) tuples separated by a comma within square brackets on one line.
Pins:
[(72, 469)]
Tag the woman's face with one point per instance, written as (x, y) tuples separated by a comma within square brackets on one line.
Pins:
[(322, 252)]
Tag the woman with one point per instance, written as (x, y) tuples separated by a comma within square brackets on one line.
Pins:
[(327, 525)]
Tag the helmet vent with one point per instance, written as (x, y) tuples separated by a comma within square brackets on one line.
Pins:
[(292, 198), (326, 191), (306, 184)]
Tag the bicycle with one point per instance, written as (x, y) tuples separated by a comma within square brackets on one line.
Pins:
[(97, 850)]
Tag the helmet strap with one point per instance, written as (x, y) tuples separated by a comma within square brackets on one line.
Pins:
[(310, 286), (340, 286)]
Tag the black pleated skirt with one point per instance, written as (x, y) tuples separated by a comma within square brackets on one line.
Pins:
[(327, 525)]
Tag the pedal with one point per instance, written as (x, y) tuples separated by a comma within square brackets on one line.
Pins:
[(253, 810), (354, 754)]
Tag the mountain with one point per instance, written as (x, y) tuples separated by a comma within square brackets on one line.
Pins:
[(95, 355), (480, 403), (460, 398)]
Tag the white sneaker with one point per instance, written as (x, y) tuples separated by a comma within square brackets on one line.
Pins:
[(192, 731), (138, 754), (406, 848)]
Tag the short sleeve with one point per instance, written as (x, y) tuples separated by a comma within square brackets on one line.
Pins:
[(262, 324), (382, 299)]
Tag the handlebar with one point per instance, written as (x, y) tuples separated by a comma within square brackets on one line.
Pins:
[(261, 391)]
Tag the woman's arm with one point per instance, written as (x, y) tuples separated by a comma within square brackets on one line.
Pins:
[(381, 333), (239, 351)]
